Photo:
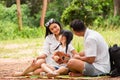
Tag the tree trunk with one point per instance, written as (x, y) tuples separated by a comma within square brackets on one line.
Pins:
[(116, 7), (44, 8), (19, 14)]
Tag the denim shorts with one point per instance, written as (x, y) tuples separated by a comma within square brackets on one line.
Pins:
[(56, 68), (90, 70)]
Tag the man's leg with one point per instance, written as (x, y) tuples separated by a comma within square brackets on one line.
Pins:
[(76, 66)]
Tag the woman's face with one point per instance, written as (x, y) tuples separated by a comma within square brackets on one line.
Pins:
[(54, 28)]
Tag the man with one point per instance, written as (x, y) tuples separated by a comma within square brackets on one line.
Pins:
[(95, 58)]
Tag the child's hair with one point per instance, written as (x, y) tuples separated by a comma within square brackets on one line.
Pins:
[(47, 25), (69, 36)]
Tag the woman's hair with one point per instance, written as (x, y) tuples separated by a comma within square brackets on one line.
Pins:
[(77, 25), (69, 36), (47, 25)]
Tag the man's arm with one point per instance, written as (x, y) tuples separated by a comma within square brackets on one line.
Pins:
[(84, 58)]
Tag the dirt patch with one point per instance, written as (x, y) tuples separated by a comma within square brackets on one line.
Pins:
[(9, 66)]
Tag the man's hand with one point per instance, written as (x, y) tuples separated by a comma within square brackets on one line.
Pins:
[(76, 56)]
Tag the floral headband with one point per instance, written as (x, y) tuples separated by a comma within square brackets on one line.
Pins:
[(50, 22)]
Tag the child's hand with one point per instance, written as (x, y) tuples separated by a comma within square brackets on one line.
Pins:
[(56, 58)]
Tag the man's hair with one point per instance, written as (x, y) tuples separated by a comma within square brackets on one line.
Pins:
[(77, 25)]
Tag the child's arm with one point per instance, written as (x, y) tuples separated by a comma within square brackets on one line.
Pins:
[(61, 57)]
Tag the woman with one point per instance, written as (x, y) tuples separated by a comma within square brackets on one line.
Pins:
[(64, 48), (53, 30)]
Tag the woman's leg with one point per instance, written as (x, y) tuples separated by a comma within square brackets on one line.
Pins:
[(35, 65), (37, 71)]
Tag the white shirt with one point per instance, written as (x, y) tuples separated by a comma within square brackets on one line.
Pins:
[(49, 47), (96, 46)]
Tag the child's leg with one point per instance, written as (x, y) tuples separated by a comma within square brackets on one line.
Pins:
[(62, 70), (47, 68)]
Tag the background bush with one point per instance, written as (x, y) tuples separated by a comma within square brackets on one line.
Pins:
[(95, 13), (9, 31), (90, 11)]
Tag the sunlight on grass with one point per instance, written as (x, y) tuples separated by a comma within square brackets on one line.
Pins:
[(111, 36), (24, 48), (78, 43), (28, 48)]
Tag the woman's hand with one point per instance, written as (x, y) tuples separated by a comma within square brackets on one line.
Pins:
[(34, 61)]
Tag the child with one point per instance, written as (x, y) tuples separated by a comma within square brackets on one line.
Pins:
[(63, 48)]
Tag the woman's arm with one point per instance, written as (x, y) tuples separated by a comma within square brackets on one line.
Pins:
[(42, 56)]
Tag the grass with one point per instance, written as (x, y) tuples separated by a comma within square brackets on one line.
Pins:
[(23, 48), (28, 48)]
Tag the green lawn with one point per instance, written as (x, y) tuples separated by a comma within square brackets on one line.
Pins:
[(22, 48)]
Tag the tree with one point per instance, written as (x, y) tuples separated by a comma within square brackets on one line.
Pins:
[(116, 7), (19, 14), (87, 10), (44, 8)]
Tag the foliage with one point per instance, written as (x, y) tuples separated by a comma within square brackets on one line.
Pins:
[(52, 14), (9, 31), (34, 6), (31, 11), (10, 15), (112, 22), (56, 8), (86, 10)]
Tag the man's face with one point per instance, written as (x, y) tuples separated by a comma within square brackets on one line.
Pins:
[(77, 33)]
